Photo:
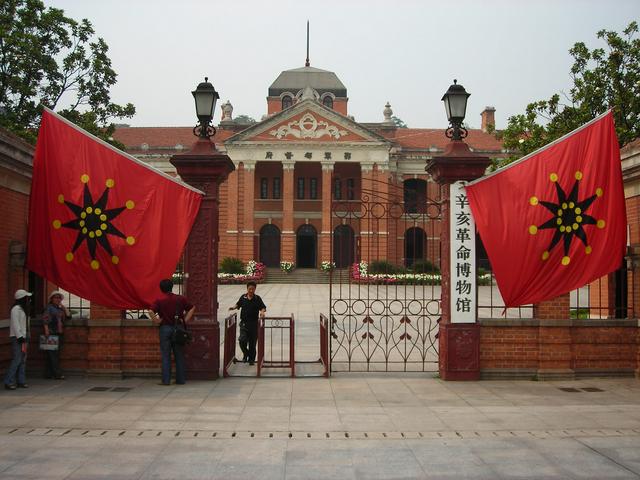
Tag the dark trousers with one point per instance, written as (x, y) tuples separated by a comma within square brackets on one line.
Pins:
[(17, 367), (166, 346), (247, 340), (52, 360)]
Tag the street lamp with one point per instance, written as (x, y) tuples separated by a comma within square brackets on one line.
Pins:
[(205, 96), (455, 104)]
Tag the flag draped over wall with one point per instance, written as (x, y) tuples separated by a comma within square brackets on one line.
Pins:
[(103, 225), (554, 220)]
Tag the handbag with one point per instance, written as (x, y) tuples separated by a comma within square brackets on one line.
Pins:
[(51, 342), (180, 335)]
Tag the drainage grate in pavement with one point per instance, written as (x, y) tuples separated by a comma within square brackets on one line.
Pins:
[(110, 389), (569, 389), (99, 389), (121, 389), (592, 389)]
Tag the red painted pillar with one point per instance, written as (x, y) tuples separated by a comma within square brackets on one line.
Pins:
[(205, 168), (459, 343)]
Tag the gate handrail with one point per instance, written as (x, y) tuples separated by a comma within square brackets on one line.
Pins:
[(262, 326), (230, 328)]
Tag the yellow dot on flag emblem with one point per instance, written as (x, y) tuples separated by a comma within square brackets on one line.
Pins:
[(95, 264), (110, 183), (84, 178), (84, 230), (533, 201), (69, 257), (588, 249), (565, 261), (131, 240), (57, 224), (599, 192), (115, 260), (60, 198), (545, 255), (130, 204), (97, 211), (553, 177), (600, 224), (578, 175), (533, 229), (92, 234)]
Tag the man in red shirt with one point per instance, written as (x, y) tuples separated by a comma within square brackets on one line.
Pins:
[(166, 311)]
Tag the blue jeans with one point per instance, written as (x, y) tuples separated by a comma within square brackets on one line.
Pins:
[(178, 354), (18, 364)]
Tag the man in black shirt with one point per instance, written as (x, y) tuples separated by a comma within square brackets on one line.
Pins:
[(251, 306)]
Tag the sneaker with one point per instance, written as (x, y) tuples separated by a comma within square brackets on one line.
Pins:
[(9, 387), (23, 385)]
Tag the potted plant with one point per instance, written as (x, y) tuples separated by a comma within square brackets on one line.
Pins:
[(327, 266), (286, 267)]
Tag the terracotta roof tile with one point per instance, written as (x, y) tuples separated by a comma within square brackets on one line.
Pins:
[(164, 137), (426, 138)]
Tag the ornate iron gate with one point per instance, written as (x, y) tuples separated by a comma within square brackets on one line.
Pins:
[(385, 308)]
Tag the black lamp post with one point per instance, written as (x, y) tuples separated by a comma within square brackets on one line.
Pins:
[(205, 96), (455, 104)]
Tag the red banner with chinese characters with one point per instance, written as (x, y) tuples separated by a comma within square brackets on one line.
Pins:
[(554, 220), (102, 224)]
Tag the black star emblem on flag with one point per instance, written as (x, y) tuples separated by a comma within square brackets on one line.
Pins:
[(94, 223), (569, 216)]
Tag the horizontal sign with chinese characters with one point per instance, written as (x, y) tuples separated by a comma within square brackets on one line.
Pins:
[(463, 257)]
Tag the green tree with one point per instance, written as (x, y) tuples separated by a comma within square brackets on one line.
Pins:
[(49, 59), (398, 122), (244, 120), (603, 78)]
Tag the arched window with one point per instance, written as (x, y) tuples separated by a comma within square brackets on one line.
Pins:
[(415, 196), (415, 242), (328, 101), (287, 101)]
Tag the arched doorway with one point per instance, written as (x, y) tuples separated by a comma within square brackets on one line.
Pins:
[(270, 245), (415, 241), (306, 246), (343, 246)]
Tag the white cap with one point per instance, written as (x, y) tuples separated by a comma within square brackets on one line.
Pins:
[(21, 294), (54, 293)]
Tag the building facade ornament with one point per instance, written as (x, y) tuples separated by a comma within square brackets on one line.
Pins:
[(388, 113), (308, 127), (288, 164), (227, 112)]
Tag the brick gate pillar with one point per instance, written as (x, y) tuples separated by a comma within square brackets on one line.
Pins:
[(204, 168), (459, 343)]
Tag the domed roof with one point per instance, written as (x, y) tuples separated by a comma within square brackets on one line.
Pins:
[(295, 80)]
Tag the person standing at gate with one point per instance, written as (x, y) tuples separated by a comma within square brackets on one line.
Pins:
[(251, 306), (19, 336), (166, 311), (53, 322)]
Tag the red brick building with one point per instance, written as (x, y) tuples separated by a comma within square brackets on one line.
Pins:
[(305, 153)]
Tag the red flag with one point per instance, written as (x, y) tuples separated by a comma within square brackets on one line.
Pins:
[(102, 224), (555, 220)]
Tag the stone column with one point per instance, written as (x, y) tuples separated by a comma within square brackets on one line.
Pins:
[(380, 212), (247, 248), (204, 168), (327, 227), (288, 237), (459, 343)]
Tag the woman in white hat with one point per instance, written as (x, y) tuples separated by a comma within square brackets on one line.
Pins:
[(53, 322), (19, 336)]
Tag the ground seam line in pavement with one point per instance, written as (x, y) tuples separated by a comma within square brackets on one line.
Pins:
[(598, 452), (333, 435)]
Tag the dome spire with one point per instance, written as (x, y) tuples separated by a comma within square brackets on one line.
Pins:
[(307, 63)]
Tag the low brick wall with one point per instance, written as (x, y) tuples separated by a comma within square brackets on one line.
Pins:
[(548, 349)]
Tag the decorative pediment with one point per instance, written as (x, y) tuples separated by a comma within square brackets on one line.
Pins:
[(308, 126), (307, 121)]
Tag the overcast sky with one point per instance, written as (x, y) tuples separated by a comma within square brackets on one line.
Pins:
[(505, 53)]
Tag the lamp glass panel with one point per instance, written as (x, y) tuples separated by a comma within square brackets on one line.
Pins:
[(205, 103)]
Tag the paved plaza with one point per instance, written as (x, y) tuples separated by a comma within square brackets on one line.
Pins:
[(351, 426)]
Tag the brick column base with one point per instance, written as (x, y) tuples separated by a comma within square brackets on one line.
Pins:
[(459, 351)]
